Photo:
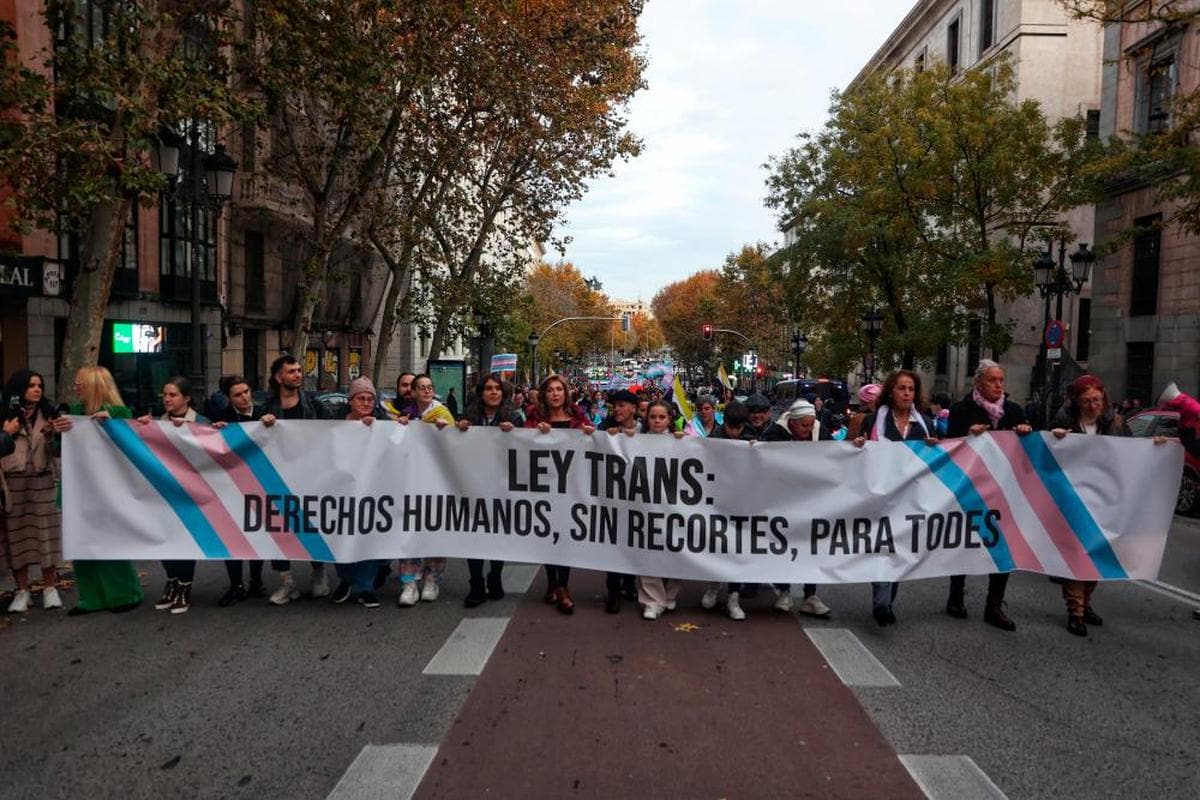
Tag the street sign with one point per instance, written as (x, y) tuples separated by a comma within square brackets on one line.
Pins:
[(1054, 334), (1054, 353)]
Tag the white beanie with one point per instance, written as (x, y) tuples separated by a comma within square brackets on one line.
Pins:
[(800, 408)]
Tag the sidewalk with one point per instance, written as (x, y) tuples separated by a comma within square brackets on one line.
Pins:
[(594, 705)]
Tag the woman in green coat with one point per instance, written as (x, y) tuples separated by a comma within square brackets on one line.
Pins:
[(103, 585)]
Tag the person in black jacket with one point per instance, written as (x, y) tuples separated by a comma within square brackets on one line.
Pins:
[(240, 408), (985, 409), (287, 401), (492, 406), (896, 419)]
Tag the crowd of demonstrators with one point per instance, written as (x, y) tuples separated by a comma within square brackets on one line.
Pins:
[(893, 411)]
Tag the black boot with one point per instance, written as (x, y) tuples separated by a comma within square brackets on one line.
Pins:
[(955, 606), (495, 588), (476, 595), (1075, 626), (1090, 617), (993, 614)]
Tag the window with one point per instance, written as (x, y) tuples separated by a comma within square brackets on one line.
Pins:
[(86, 24), (1161, 78), (1083, 332), (919, 61), (255, 273), (176, 255), (125, 277), (974, 344), (987, 24), (1147, 247), (952, 37), (1139, 371), (1093, 123)]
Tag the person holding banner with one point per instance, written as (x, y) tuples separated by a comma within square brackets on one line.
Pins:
[(427, 571), (358, 579), (491, 407), (1087, 411), (555, 411), (658, 594), (985, 409), (179, 408), (30, 526), (621, 419), (799, 424), (240, 409), (287, 400), (103, 585), (896, 419)]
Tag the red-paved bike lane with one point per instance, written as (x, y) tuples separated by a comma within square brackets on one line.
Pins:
[(595, 705)]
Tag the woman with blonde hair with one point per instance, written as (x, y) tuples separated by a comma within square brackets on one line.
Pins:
[(103, 585)]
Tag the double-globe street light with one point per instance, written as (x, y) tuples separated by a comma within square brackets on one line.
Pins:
[(799, 346), (1053, 280), (205, 182)]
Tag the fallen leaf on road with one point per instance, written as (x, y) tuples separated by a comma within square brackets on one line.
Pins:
[(172, 763), (686, 627)]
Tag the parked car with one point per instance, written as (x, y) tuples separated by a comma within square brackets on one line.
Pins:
[(1159, 422), (337, 403)]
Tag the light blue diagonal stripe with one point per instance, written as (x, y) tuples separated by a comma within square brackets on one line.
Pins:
[(143, 458), (1073, 509), (245, 448), (960, 484)]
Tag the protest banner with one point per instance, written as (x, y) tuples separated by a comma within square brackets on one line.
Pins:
[(1084, 507)]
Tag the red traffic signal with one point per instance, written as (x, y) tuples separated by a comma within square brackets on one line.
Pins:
[(706, 330), (760, 370)]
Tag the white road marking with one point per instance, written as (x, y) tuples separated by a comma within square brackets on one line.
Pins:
[(951, 777), (468, 648), (385, 772), (1174, 592), (850, 658), (519, 577)]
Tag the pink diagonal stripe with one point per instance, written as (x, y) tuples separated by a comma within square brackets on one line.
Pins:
[(1048, 512), (989, 489), (218, 450), (201, 493)]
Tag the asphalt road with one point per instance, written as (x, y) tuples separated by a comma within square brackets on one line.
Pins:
[(263, 702)]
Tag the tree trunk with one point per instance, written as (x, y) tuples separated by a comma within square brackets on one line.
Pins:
[(439, 335), (89, 299), (398, 268), (312, 283)]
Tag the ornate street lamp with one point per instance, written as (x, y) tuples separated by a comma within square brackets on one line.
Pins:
[(1053, 280), (872, 324)]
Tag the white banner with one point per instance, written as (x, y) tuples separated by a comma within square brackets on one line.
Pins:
[(1084, 507)]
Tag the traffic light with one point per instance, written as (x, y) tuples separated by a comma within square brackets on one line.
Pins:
[(760, 370), (706, 330)]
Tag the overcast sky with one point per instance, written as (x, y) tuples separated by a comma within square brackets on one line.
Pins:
[(730, 83)]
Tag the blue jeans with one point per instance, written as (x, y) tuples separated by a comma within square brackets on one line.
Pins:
[(360, 574)]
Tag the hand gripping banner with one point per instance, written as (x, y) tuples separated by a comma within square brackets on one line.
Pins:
[(1087, 507)]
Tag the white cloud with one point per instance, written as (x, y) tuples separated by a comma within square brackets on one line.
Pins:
[(730, 84)]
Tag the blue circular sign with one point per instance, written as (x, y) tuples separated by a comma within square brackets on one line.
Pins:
[(1054, 333)]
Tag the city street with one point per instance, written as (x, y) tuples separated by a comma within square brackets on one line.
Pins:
[(315, 700)]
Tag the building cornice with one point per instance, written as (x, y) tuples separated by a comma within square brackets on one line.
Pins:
[(911, 22)]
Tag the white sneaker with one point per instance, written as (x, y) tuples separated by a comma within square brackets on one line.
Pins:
[(733, 607), (652, 611), (670, 606), (320, 584), (286, 592), (783, 600), (429, 589), (50, 598), (709, 600), (813, 606), (408, 595), (20, 602)]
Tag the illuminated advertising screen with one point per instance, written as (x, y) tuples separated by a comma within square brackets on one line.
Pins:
[(136, 337)]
